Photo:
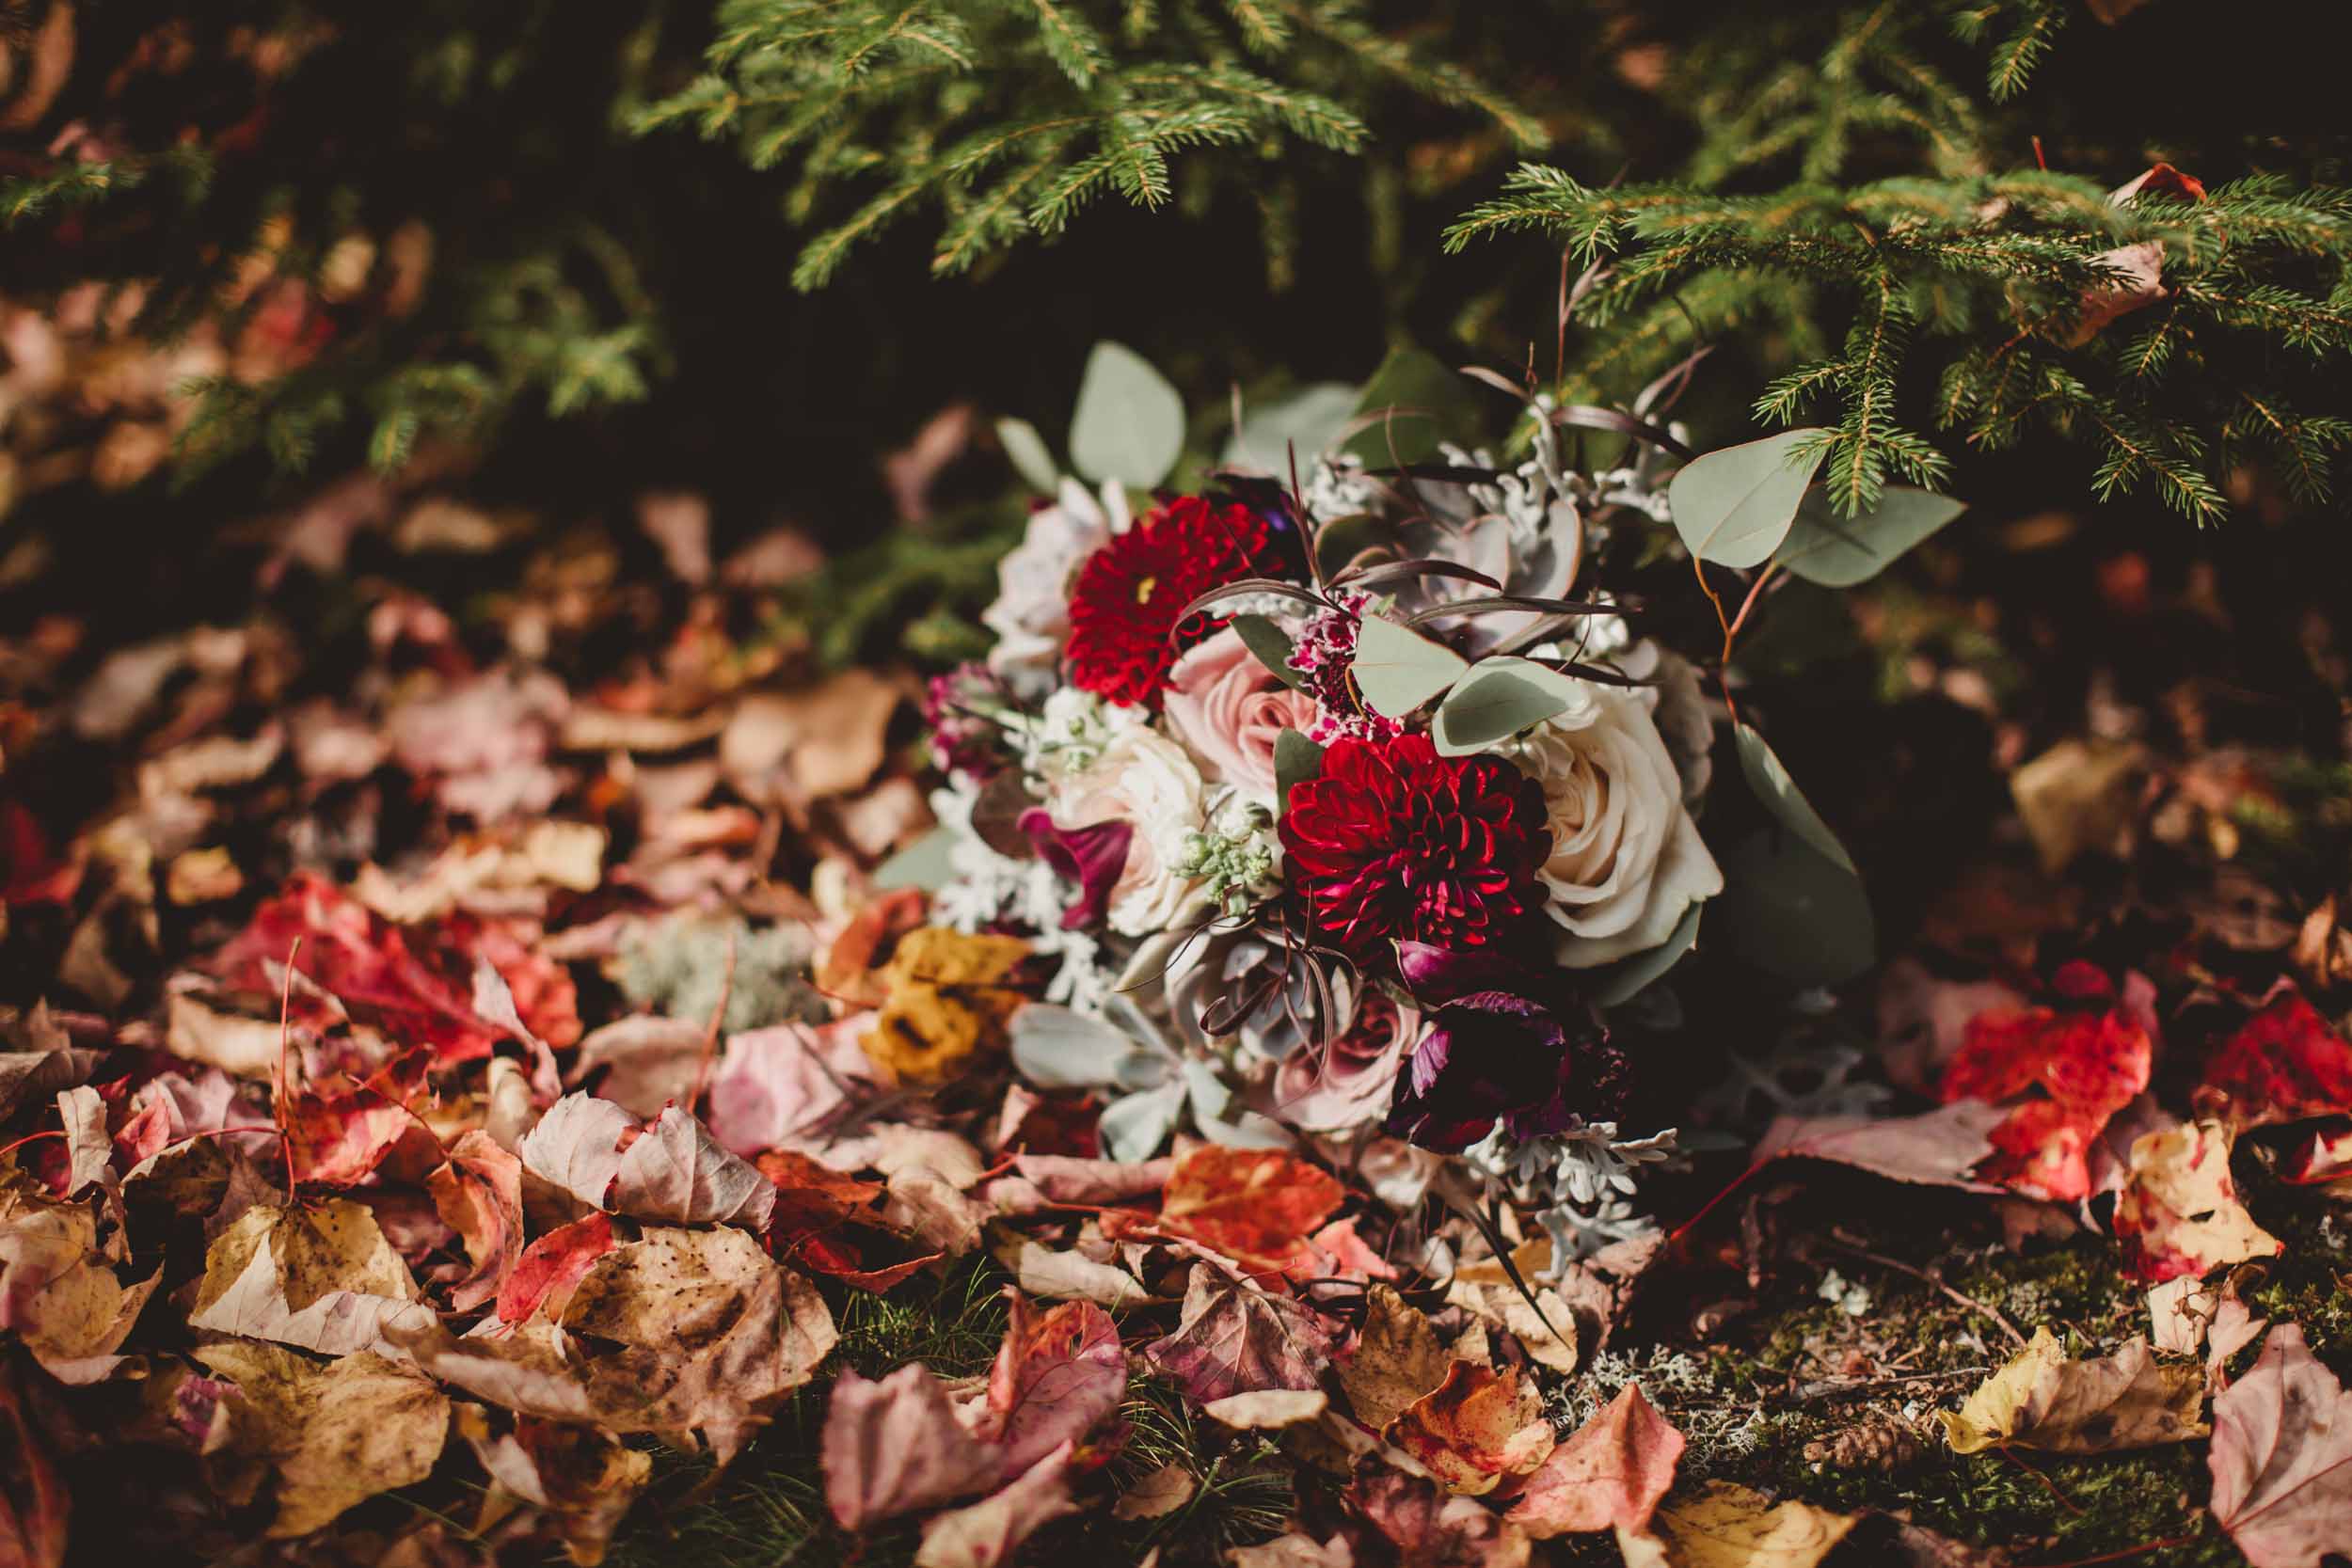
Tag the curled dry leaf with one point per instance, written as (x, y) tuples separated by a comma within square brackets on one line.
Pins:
[(336, 1435), (584, 1481), (479, 1194), (1610, 1475), (677, 1171), (1474, 1429), (895, 1446), (1728, 1525), (2179, 1214), (945, 1001), (1040, 1271), (2282, 1458), (1157, 1495), (1234, 1337), (58, 1293), (1256, 1206), (1397, 1359), (2043, 1400)]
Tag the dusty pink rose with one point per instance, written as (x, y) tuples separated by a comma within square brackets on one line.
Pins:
[(1347, 1082), (1229, 710)]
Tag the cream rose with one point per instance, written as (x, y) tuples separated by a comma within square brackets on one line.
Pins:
[(1031, 615), (1146, 781), (1627, 859), (1228, 709)]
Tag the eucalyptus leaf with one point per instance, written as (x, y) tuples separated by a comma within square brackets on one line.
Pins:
[(1309, 422), (925, 863), (1621, 982), (1130, 422), (1026, 450), (1430, 401), (1788, 910), (1398, 671), (1769, 777), (1735, 506), (1840, 552), (1499, 697), (1272, 645), (1296, 759)]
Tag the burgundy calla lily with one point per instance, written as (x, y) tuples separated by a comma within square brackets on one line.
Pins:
[(1092, 857)]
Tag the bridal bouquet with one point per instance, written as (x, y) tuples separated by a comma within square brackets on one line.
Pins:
[(1346, 799)]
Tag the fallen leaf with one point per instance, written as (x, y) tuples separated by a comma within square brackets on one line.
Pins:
[(677, 1171), (478, 1194), (337, 1435), (988, 1534), (1234, 1337), (35, 1506), (1608, 1475), (1938, 1147), (321, 1276), (1292, 1549), (1728, 1525), (2087, 1066), (2328, 1157), (58, 1292), (1256, 1206), (2282, 1458), (89, 1152), (1267, 1409), (2179, 1312), (1432, 1529), (2078, 796), (2180, 1213), (551, 1268), (2285, 1063), (1396, 1358), (1474, 1429), (1056, 1376), (2103, 1404), (2233, 1328), (775, 1084), (577, 1146), (945, 1003), (895, 1447), (1040, 1271), (583, 1480), (1157, 1495), (647, 1060)]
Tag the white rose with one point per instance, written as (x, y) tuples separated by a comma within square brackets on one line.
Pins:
[(1147, 782), (1031, 615), (1627, 859)]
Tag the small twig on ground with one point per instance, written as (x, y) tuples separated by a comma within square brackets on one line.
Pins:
[(2140, 1550), (1839, 1239), (2047, 1484), (1827, 1388), (710, 1036)]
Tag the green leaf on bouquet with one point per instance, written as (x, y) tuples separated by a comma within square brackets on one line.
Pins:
[(1307, 423), (1499, 697), (1398, 671), (1272, 645), (926, 863), (1789, 910), (1840, 552), (1735, 506), (1026, 450), (1621, 982), (1296, 759), (1130, 423), (1769, 777), (1413, 400)]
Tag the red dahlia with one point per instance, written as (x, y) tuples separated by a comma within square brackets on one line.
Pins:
[(1123, 610), (1393, 841)]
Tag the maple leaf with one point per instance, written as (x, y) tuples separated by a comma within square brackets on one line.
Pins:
[(1476, 1428), (1234, 1337), (677, 1171), (2179, 1214), (2282, 1458), (551, 1268), (2040, 1399), (1056, 1377), (321, 1276), (58, 1292), (2087, 1066), (894, 1447), (1256, 1206), (1610, 1475), (1395, 1360), (2284, 1063), (479, 1194)]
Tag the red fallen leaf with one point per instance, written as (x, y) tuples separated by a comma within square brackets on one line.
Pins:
[(811, 1195), (840, 1256), (2282, 1458), (343, 1138), (1256, 1206), (1232, 1338), (551, 1268), (892, 1446), (2284, 1063), (2089, 1066), (546, 997), (1430, 1529), (1336, 1252), (479, 1194), (1608, 1476), (1056, 1378), (1474, 1429), (28, 873), (1061, 1125), (2179, 1212)]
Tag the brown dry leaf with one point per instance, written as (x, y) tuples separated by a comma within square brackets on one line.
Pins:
[(58, 1293), (478, 1194), (1397, 1358), (2179, 1312), (2282, 1458), (649, 1061), (35, 1506), (1727, 1525), (2179, 1214), (321, 1276), (583, 1479), (1268, 1409), (2079, 794), (1040, 1271), (945, 1001), (1475, 1429), (1503, 1305), (677, 1171), (1610, 1475), (1157, 1495), (797, 747), (337, 1435), (2043, 1400)]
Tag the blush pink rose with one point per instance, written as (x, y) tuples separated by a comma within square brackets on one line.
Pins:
[(1229, 710)]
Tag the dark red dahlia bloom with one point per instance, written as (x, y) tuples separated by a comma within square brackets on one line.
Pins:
[(1125, 605), (1393, 842)]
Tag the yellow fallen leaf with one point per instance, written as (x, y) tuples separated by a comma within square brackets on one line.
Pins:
[(2099, 1404), (1727, 1525), (945, 1003), (2179, 1214), (337, 1435)]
